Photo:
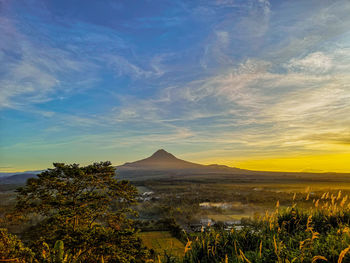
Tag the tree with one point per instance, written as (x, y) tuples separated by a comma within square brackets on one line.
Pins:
[(86, 208), (12, 249)]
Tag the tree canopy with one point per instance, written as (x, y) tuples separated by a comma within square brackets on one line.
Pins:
[(86, 208)]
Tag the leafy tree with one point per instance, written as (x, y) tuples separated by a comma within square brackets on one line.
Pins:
[(86, 208), (12, 249)]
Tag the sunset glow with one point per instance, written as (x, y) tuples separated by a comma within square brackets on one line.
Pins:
[(262, 85)]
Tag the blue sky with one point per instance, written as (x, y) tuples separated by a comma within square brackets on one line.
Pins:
[(210, 81)]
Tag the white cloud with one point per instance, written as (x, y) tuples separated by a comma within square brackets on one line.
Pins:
[(314, 63), (255, 108)]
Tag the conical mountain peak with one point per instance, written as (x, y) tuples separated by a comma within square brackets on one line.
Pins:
[(162, 155), (162, 160)]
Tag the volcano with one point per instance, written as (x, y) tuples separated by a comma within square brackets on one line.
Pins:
[(161, 160), (163, 164)]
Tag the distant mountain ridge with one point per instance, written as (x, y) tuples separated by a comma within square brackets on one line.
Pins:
[(164, 165), (17, 173), (19, 178)]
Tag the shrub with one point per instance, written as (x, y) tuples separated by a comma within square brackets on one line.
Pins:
[(12, 249)]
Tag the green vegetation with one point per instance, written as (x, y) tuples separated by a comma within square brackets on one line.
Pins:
[(319, 234), (163, 242), (11, 248), (85, 208), (181, 198), (315, 229), (78, 214)]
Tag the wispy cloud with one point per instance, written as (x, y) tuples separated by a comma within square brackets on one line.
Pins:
[(230, 78), (124, 67), (32, 70), (288, 109)]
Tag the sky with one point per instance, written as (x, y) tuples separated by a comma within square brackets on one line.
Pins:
[(255, 84)]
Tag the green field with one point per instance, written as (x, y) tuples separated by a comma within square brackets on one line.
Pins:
[(162, 241)]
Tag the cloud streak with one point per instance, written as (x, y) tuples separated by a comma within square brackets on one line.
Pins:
[(230, 78)]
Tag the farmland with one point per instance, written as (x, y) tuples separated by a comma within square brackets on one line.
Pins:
[(162, 242)]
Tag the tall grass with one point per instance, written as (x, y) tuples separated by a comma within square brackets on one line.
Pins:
[(318, 234)]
